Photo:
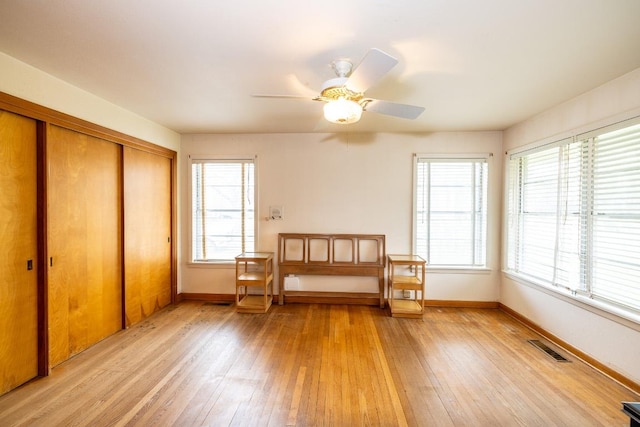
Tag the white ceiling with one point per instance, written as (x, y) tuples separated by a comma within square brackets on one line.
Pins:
[(192, 65)]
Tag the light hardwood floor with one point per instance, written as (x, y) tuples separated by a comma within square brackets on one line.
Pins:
[(311, 365)]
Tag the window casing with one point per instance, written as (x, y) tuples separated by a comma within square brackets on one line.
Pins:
[(573, 215), (450, 210), (223, 204)]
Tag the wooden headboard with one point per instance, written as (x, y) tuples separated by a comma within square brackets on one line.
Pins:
[(331, 255)]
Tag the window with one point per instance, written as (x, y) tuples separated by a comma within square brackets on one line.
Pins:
[(450, 208), (574, 215), (223, 208)]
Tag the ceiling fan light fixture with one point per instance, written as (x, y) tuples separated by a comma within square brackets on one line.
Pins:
[(342, 111), (344, 95)]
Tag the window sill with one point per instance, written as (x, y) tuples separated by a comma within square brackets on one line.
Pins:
[(612, 312), (212, 264), (458, 270)]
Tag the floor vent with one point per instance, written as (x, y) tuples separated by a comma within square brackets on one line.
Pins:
[(545, 348)]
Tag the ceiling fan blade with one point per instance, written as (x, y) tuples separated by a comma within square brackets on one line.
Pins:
[(392, 109), (372, 68), (299, 86)]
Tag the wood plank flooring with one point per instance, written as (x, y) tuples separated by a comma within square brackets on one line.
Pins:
[(198, 363)]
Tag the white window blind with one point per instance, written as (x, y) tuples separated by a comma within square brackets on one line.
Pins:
[(574, 215), (614, 217), (223, 209), (450, 214)]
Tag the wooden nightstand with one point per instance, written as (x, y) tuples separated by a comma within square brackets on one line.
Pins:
[(254, 269), (406, 273)]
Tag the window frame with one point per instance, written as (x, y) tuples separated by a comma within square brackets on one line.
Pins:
[(578, 293), (200, 158), (453, 158)]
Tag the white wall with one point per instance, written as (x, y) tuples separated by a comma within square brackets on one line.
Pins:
[(609, 339), (26, 82), (345, 183)]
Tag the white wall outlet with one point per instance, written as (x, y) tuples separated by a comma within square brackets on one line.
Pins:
[(291, 283)]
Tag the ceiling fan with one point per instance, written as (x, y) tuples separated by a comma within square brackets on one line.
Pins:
[(345, 97)]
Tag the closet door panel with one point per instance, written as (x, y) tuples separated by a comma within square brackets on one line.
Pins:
[(85, 241), (18, 244), (147, 212)]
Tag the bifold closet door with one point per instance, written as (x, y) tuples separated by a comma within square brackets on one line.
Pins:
[(19, 248), (147, 234), (84, 196)]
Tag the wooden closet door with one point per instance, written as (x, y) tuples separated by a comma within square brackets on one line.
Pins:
[(18, 244), (84, 199), (147, 219)]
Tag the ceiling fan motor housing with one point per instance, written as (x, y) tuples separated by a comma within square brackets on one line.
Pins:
[(335, 89)]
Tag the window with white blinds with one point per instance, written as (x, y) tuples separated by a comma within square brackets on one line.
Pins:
[(574, 215), (223, 209), (450, 211)]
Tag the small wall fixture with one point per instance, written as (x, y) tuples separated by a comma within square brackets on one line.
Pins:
[(276, 213), (342, 111)]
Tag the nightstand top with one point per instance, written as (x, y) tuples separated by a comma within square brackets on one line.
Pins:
[(254, 256), (406, 258)]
